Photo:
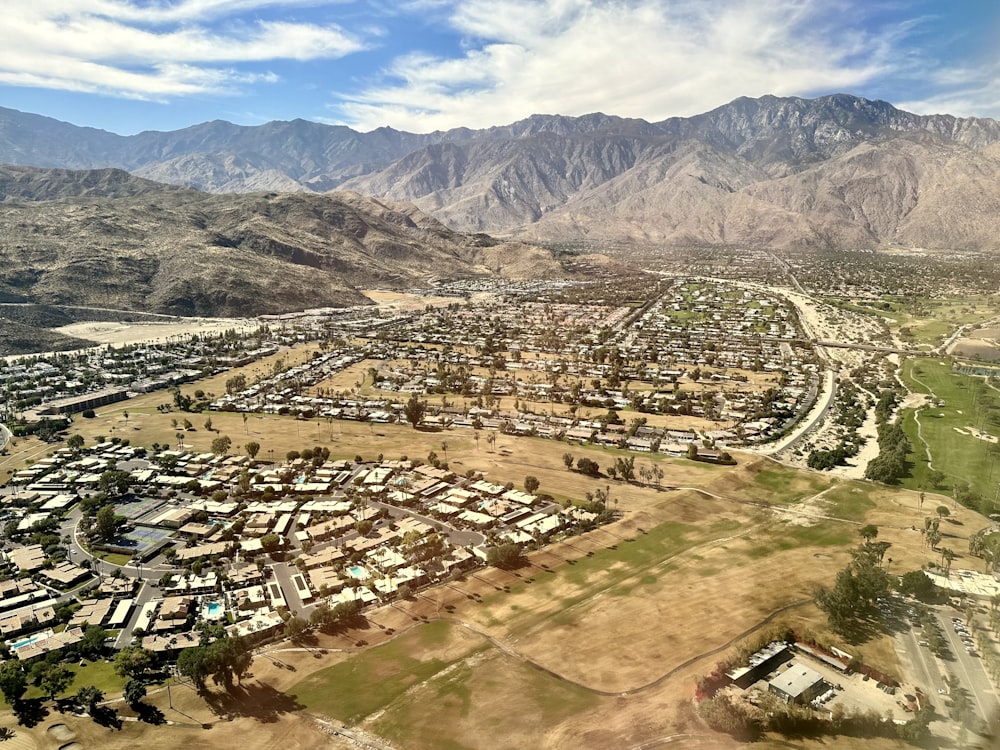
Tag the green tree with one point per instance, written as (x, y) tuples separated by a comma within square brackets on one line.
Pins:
[(916, 583), (295, 628), (947, 556), (55, 679), (942, 511), (252, 449), (106, 523), (93, 640), (194, 663), (853, 599), (568, 460), (504, 555), (228, 658), (588, 466), (414, 410), (134, 691), (89, 696), (625, 467), (13, 681), (321, 617), (75, 443), (221, 445), (868, 532), (235, 384), (270, 543), (115, 482), (133, 661), (531, 483)]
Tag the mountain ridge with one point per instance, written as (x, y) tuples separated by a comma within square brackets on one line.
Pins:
[(727, 175), (105, 238)]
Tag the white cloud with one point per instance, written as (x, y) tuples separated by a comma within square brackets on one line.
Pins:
[(639, 58), (155, 50), (966, 92)]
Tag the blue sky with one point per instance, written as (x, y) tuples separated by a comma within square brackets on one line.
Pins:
[(423, 65)]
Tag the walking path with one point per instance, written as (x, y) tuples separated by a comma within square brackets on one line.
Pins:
[(916, 418)]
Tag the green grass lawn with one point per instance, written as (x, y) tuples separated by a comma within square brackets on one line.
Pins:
[(966, 402), (931, 321), (781, 538), (785, 486), (616, 571), (373, 679), (100, 674), (928, 321), (479, 704), (919, 477), (849, 501), (115, 558)]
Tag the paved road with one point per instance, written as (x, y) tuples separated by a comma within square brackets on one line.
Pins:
[(146, 594), (282, 574), (813, 419), (458, 537), (969, 670), (919, 664)]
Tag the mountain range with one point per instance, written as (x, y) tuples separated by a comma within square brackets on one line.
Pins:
[(836, 172), (105, 240)]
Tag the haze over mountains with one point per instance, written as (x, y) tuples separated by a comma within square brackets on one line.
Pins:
[(834, 172)]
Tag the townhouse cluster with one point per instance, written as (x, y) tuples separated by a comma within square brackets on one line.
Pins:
[(205, 539)]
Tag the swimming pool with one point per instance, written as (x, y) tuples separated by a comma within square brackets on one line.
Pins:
[(213, 611), (28, 640), (356, 571)]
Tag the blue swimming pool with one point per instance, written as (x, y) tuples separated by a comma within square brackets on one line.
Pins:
[(214, 608), (28, 640), (356, 571)]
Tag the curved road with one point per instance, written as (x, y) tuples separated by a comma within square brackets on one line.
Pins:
[(811, 421)]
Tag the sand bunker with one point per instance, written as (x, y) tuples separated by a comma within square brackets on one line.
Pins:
[(982, 435), (973, 432), (61, 732)]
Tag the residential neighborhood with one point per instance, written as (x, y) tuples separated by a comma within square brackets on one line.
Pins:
[(206, 539)]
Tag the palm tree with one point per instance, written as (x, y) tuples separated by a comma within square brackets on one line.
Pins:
[(946, 557), (933, 537)]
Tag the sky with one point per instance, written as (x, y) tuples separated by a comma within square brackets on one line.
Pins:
[(424, 65)]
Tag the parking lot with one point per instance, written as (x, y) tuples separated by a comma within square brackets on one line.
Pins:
[(858, 694), (968, 667), (921, 667)]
